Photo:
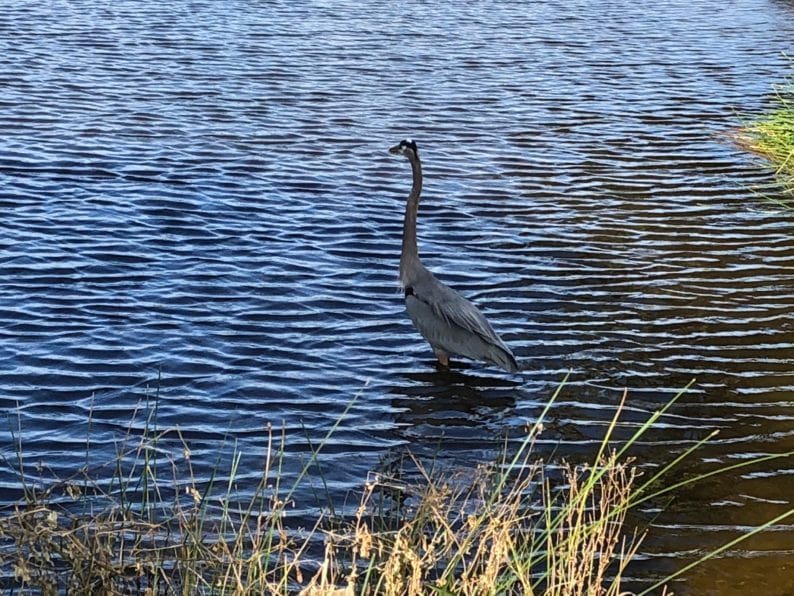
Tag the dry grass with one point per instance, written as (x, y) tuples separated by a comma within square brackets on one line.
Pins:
[(457, 539), (101, 542), (515, 526)]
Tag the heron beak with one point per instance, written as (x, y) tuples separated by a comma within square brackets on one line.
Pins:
[(396, 150)]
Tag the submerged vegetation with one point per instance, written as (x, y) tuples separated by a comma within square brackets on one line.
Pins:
[(516, 525), (772, 136)]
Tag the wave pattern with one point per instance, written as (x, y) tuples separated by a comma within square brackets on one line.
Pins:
[(199, 210)]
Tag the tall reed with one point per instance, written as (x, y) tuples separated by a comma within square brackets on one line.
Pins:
[(508, 527)]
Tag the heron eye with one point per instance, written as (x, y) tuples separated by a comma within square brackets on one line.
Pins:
[(409, 291)]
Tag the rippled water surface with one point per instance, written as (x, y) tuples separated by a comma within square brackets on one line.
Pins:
[(197, 204)]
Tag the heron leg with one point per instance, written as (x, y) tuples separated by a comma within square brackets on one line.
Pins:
[(442, 356)]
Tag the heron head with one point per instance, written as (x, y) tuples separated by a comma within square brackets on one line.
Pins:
[(405, 147)]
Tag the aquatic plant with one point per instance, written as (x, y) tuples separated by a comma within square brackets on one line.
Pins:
[(771, 136), (511, 526)]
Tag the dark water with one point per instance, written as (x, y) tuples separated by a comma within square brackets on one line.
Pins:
[(200, 192)]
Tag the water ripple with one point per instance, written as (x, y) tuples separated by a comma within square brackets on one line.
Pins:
[(199, 210)]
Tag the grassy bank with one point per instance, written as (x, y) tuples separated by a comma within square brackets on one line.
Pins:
[(771, 136), (508, 527)]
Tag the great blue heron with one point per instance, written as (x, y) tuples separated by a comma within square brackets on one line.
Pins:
[(449, 322)]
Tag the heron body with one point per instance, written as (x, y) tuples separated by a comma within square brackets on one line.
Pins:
[(449, 322)]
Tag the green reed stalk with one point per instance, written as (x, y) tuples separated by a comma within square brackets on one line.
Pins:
[(771, 136), (504, 530), (717, 551)]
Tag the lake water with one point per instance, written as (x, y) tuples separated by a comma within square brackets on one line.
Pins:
[(197, 203)]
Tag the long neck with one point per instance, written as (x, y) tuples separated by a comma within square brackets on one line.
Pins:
[(409, 257)]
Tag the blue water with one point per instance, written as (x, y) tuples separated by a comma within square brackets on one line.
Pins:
[(198, 210)]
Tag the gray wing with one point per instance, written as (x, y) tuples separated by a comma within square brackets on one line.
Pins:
[(449, 321)]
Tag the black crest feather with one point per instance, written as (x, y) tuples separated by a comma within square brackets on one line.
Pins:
[(408, 143)]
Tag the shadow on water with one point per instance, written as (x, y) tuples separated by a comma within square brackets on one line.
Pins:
[(452, 418), (453, 398)]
